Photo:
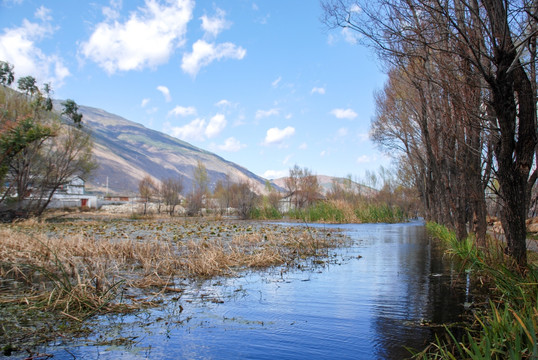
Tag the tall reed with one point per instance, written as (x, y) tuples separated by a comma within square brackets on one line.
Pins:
[(508, 328)]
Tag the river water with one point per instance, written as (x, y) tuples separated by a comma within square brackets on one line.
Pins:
[(371, 301)]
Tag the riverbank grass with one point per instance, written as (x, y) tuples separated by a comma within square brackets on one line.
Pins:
[(508, 327)]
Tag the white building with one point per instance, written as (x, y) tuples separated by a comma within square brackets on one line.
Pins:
[(72, 194)]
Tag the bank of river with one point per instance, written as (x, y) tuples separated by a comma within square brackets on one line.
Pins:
[(370, 300)]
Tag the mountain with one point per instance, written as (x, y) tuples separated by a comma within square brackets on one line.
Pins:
[(126, 151)]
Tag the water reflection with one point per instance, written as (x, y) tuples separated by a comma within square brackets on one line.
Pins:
[(368, 303)]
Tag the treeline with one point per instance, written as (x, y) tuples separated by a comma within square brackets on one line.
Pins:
[(302, 198), (40, 150), (459, 105)]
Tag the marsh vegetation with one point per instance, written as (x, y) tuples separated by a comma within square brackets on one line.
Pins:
[(65, 272)]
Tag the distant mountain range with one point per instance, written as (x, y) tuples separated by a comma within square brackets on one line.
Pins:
[(126, 151)]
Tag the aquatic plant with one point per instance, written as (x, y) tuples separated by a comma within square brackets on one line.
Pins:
[(508, 328)]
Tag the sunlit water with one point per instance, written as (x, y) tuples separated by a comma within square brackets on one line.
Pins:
[(369, 302)]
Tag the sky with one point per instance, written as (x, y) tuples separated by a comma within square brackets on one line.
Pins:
[(262, 83)]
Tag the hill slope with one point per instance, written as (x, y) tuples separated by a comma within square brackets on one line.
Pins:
[(126, 151)]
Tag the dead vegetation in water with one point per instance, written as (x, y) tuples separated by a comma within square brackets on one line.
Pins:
[(77, 269)]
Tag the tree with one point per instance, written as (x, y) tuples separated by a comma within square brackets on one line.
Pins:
[(28, 85), (146, 189), (245, 199), (171, 189), (201, 180), (70, 109), (302, 187), (481, 57), (39, 153), (7, 76)]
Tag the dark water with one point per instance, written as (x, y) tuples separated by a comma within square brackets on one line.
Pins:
[(370, 302)]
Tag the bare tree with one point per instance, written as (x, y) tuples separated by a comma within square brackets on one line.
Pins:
[(146, 189), (171, 189), (483, 54)]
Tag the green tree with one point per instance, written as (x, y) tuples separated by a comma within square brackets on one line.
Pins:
[(7, 76), (28, 85), (70, 109)]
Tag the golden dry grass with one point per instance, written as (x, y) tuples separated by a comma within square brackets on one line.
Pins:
[(77, 268)]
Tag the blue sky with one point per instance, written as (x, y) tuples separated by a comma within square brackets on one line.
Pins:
[(261, 83)]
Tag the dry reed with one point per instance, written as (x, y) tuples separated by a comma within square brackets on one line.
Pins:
[(79, 273)]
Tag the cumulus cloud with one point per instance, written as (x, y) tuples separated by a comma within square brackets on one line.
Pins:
[(216, 24), (231, 145), (199, 129), (216, 124), (204, 53), (318, 90), (276, 135), (18, 46), (192, 131), (303, 146), (144, 102), (344, 113), (166, 92), (260, 114), (146, 39), (183, 111), (275, 174)]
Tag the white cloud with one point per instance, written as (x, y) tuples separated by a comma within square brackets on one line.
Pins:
[(287, 159), (318, 90), (214, 25), (146, 39), (276, 135), (231, 145), (183, 111), (204, 53), (260, 114), (323, 153), (303, 146), (194, 130), (144, 102), (275, 174), (166, 92), (223, 103), (198, 129), (43, 14), (18, 46), (350, 36), (364, 159), (276, 82), (216, 124), (344, 113)]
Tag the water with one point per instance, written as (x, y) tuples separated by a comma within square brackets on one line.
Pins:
[(370, 302)]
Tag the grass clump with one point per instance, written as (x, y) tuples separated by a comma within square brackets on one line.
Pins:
[(507, 328)]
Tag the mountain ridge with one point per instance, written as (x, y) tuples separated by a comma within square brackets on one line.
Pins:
[(126, 151)]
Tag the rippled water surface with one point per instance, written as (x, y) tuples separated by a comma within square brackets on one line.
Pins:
[(369, 302)]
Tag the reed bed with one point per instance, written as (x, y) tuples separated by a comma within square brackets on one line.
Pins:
[(79, 269), (508, 327), (340, 211)]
